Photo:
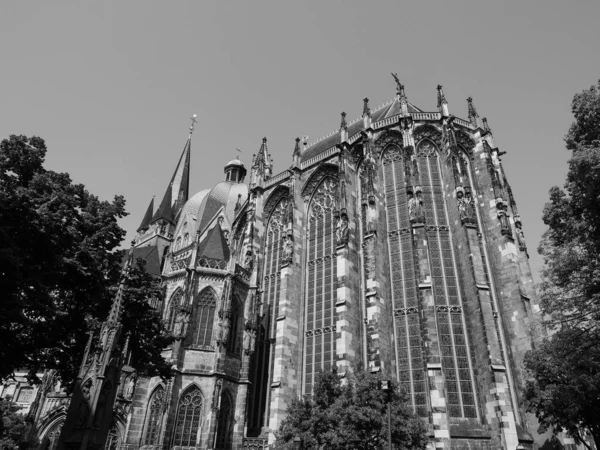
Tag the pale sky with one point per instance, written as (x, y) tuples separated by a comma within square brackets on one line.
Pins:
[(110, 85)]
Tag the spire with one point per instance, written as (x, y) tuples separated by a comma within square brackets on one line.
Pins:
[(366, 115), (401, 95), (114, 316), (147, 217), (262, 167), (180, 182), (473, 116), (343, 128), (486, 127), (165, 210), (442, 103)]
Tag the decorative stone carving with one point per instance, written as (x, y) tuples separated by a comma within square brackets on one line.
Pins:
[(505, 227), (249, 340), (248, 260), (84, 407), (224, 325), (415, 207), (341, 230), (288, 249), (131, 382), (216, 400), (182, 319)]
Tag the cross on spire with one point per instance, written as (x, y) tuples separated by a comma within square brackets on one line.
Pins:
[(194, 122)]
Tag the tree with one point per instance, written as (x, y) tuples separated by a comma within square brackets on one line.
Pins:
[(58, 261), (12, 425), (352, 415), (565, 369)]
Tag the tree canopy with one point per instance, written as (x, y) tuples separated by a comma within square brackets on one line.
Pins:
[(13, 425), (351, 414), (565, 368), (58, 260)]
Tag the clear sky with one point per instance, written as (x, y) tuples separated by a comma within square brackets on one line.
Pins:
[(110, 85)]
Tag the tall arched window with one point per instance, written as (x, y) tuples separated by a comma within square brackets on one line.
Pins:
[(50, 441), (189, 415), (409, 346), (186, 239), (113, 440), (321, 266), (450, 321), (174, 305), (203, 319), (225, 424), (234, 345), (153, 417), (178, 243)]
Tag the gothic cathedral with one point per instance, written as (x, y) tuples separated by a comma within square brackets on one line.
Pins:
[(395, 241)]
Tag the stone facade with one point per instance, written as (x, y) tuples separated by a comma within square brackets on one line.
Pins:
[(394, 242)]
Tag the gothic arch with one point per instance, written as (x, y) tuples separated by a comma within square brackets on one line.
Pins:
[(388, 138), (154, 416), (315, 179), (225, 421), (427, 131), (427, 147), (277, 195), (188, 420), (234, 344), (465, 141), (51, 432), (173, 305), (203, 318)]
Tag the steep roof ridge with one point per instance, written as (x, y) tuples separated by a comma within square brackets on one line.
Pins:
[(148, 216), (383, 105)]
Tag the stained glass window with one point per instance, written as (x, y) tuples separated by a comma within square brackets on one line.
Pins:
[(174, 305), (409, 345), (321, 283), (225, 425), (154, 415), (189, 415), (203, 319), (453, 340)]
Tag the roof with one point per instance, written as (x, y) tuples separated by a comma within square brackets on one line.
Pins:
[(389, 109), (235, 162), (149, 254), (147, 217), (214, 245)]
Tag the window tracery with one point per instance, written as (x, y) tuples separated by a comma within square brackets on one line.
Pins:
[(154, 416), (225, 424), (203, 320), (321, 268), (175, 305), (189, 416)]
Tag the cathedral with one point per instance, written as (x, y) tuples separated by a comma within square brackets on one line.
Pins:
[(395, 241)]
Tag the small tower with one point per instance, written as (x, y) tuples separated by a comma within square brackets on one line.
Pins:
[(297, 155), (235, 171), (262, 167), (473, 116), (366, 115)]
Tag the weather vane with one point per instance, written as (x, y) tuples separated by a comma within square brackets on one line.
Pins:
[(399, 86), (194, 122), (239, 152)]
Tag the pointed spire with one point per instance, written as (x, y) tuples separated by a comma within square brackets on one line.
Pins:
[(366, 109), (473, 116), (401, 95), (262, 166), (343, 128), (442, 103), (114, 316), (180, 182), (486, 127), (147, 217), (297, 154), (165, 209)]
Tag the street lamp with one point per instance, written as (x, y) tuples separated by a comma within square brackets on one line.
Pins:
[(297, 443)]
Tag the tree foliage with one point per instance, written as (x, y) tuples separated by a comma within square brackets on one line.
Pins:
[(58, 261), (352, 415), (13, 425), (565, 368)]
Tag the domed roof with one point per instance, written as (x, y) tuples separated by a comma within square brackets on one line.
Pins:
[(235, 162), (203, 206)]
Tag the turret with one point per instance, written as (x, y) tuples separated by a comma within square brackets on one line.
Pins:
[(262, 166), (296, 156), (343, 129), (235, 171), (473, 116), (366, 115)]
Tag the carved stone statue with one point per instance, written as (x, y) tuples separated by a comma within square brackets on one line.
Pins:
[(341, 230), (130, 386), (249, 341), (84, 407), (224, 326), (248, 260), (505, 228), (288, 249), (182, 319), (469, 208), (521, 238), (217, 394), (415, 208), (462, 205)]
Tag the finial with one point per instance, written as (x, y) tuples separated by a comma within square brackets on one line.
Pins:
[(297, 148), (441, 96), (238, 153), (343, 124), (194, 122), (366, 109), (472, 111)]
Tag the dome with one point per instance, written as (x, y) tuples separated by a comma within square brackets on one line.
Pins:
[(199, 210), (235, 162)]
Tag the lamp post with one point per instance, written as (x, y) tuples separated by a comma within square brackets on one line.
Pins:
[(386, 385), (297, 443)]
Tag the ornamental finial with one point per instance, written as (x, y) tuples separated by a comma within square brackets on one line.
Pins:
[(194, 122), (366, 109), (399, 86), (472, 111), (343, 124)]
